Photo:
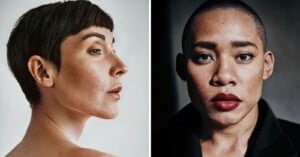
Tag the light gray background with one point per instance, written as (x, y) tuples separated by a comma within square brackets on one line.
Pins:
[(125, 136), (282, 21)]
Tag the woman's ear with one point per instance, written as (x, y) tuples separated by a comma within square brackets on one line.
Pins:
[(181, 66), (269, 61), (42, 71)]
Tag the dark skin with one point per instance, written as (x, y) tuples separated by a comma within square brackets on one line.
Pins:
[(226, 56)]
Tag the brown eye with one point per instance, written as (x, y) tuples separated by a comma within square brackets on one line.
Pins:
[(202, 58), (95, 51), (244, 57)]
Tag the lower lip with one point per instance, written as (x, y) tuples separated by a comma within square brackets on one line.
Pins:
[(226, 105), (115, 95)]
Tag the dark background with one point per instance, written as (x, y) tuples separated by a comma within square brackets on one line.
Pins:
[(282, 21)]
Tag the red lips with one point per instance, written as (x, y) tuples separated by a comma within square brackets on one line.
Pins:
[(115, 92), (225, 102)]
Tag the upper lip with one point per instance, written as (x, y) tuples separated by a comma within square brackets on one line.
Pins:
[(116, 89), (225, 97)]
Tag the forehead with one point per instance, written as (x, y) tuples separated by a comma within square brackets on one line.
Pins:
[(225, 14), (223, 17), (86, 37), (229, 23), (93, 32)]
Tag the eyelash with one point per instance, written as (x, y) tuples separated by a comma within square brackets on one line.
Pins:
[(241, 57), (203, 58), (96, 51)]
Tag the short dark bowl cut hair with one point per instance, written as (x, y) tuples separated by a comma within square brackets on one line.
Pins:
[(41, 30), (209, 5)]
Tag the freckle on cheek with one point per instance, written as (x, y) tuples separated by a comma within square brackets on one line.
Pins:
[(97, 82)]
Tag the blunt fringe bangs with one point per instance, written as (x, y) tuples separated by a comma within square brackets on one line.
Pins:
[(41, 30)]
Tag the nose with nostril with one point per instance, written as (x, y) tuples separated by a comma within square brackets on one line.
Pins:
[(224, 74), (119, 68)]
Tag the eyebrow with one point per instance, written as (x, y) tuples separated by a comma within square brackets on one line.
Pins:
[(206, 45), (98, 35), (243, 44), (101, 36), (213, 46)]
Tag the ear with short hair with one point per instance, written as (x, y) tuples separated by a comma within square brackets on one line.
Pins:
[(41, 70), (269, 61), (181, 66)]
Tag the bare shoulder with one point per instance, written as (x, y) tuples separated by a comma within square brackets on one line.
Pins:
[(67, 151), (16, 152), (86, 152), (11, 154)]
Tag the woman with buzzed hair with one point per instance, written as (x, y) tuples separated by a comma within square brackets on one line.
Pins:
[(224, 63)]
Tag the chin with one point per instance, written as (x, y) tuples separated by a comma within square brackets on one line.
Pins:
[(111, 114), (225, 120)]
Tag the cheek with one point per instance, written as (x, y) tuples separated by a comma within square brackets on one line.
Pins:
[(198, 82), (199, 79), (92, 79), (84, 80), (251, 82), (253, 77), (96, 80)]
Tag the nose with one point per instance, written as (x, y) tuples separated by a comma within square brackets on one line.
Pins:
[(224, 74), (118, 68)]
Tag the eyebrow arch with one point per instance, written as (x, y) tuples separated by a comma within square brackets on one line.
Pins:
[(101, 36), (206, 44), (243, 44)]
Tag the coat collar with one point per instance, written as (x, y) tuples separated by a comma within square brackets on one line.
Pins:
[(267, 139), (268, 136)]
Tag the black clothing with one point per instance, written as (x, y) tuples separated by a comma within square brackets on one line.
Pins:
[(271, 137)]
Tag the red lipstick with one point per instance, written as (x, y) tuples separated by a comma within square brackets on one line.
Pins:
[(225, 102), (115, 92)]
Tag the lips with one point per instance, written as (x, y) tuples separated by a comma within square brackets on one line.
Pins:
[(225, 102), (115, 92)]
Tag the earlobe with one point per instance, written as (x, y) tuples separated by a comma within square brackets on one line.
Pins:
[(269, 61), (41, 70), (181, 66)]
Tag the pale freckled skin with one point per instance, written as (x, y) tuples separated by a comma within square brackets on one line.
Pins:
[(87, 77), (81, 88)]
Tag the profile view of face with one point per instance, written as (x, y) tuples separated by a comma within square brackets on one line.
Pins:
[(226, 66), (88, 80)]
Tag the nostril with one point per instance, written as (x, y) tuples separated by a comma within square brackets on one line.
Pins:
[(224, 75), (119, 67), (121, 70), (220, 82), (216, 83)]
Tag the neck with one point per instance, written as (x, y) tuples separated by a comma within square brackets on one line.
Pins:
[(58, 121), (232, 137)]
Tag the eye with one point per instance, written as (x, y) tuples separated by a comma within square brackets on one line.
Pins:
[(244, 57), (202, 58), (96, 51)]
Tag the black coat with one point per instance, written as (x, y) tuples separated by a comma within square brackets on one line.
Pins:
[(271, 137)]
